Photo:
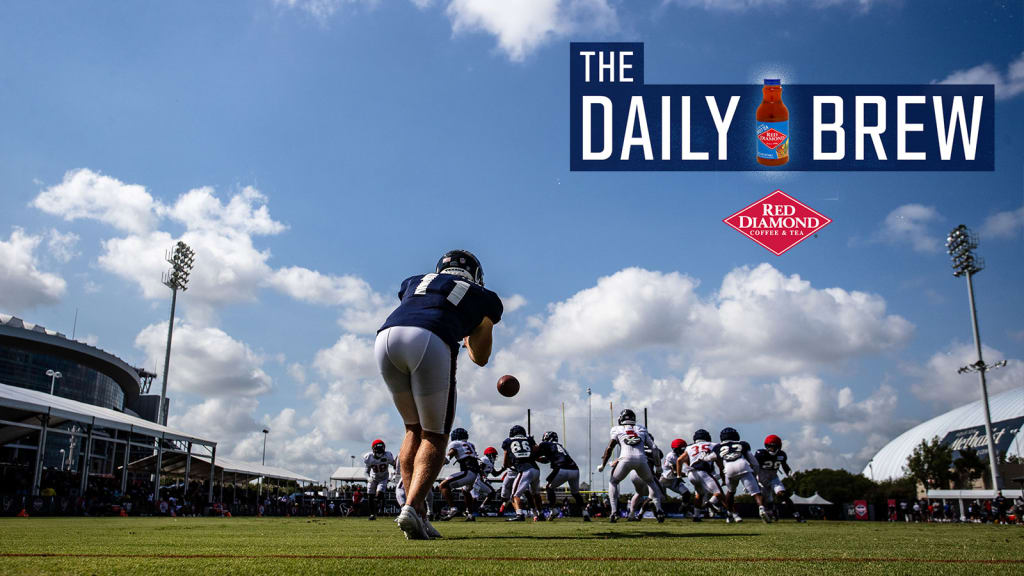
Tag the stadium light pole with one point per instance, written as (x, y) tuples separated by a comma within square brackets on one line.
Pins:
[(181, 259), (961, 244), (265, 432), (53, 374), (590, 436)]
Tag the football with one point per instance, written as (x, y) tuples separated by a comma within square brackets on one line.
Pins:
[(508, 385)]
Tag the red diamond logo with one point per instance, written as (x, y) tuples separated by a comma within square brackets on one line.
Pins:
[(771, 138), (778, 222)]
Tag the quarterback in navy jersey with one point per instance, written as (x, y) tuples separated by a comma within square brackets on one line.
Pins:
[(416, 352), (563, 471)]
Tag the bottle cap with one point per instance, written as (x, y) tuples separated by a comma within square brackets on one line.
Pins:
[(772, 82)]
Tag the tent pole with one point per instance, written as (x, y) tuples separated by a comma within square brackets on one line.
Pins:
[(84, 482), (213, 466), (37, 475), (127, 452), (188, 468), (156, 475)]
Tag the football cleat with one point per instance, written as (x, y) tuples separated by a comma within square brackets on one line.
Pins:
[(411, 524), (632, 519), (613, 518), (737, 518), (461, 263), (517, 518), (627, 418), (470, 517), (764, 515), (372, 517), (660, 515)]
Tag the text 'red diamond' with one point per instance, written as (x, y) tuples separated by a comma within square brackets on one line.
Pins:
[(778, 222), (771, 138)]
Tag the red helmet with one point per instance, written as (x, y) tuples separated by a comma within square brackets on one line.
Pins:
[(490, 451), (678, 444), (377, 446), (773, 442)]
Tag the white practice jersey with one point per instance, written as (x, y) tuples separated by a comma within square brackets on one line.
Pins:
[(632, 440), (668, 466), (700, 456), (377, 466), (465, 453), (486, 467)]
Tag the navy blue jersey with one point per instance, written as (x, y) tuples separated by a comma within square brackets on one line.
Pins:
[(523, 450), (554, 454), (445, 304), (768, 461), (731, 450)]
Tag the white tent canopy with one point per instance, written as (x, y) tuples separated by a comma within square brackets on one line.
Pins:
[(358, 473), (57, 407), (815, 500)]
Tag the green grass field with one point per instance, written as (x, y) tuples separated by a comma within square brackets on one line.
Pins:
[(153, 546)]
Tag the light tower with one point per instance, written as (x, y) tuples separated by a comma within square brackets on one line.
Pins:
[(180, 258), (961, 244)]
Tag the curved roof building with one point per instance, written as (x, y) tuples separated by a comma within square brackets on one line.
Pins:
[(963, 427), (88, 374)]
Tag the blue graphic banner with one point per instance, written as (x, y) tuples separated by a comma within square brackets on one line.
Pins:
[(620, 123)]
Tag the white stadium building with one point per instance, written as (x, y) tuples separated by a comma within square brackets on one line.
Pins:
[(961, 427)]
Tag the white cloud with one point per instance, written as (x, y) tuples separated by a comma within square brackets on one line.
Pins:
[(1004, 225), (224, 419), (349, 359), (513, 302), (22, 284), (321, 10), (87, 194), (62, 245), (937, 381), (205, 361), (297, 372), (521, 26), (740, 5), (246, 212), (1007, 85), (909, 224), (363, 309)]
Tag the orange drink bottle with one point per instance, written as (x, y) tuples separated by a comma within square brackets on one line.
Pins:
[(772, 126)]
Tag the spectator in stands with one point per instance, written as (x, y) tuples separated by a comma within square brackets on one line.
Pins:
[(999, 507)]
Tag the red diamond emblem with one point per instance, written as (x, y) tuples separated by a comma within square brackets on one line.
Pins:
[(771, 138), (778, 222)]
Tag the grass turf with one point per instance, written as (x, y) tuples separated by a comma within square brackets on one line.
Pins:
[(154, 546)]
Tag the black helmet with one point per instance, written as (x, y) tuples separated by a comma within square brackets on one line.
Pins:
[(460, 434), (702, 434), (550, 436), (516, 430), (728, 434), (627, 416), (461, 263)]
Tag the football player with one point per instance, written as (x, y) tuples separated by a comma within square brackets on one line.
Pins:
[(377, 461), (464, 453), (563, 471), (737, 464), (482, 491), (641, 491), (695, 464), (670, 479), (416, 351), (770, 460), (632, 441), (521, 452)]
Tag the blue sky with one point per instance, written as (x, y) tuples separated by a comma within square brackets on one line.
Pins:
[(318, 152)]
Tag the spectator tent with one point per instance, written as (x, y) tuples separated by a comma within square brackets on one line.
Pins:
[(29, 418)]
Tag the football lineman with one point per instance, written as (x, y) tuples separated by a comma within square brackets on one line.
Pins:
[(464, 453), (416, 351), (482, 491), (563, 471), (737, 465), (520, 452), (770, 460), (377, 461), (632, 441), (670, 479), (695, 464)]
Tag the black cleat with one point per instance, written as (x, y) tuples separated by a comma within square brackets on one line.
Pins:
[(517, 518), (586, 518), (372, 517), (660, 516), (613, 518)]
